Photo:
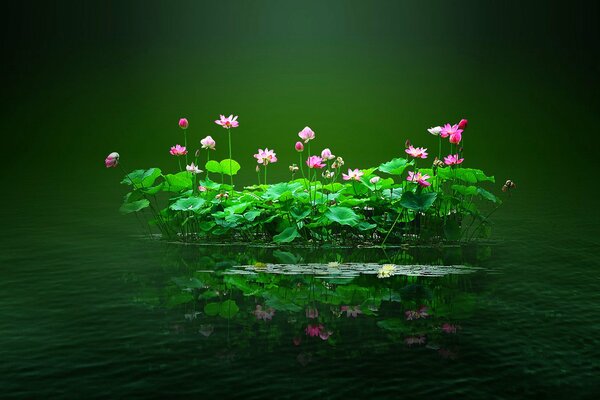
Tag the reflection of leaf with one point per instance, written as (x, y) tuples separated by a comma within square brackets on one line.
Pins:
[(394, 325), (179, 298), (191, 283), (288, 235), (286, 257), (212, 309), (228, 309), (282, 305)]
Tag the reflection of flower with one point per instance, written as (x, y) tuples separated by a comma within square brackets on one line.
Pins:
[(206, 330), (304, 358), (415, 340), (445, 353), (351, 311), (386, 271), (417, 314), (297, 340), (313, 330), (450, 328), (312, 313), (265, 315), (325, 334)]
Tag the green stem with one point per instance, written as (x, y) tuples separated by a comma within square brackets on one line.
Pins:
[(392, 228), (230, 160), (439, 147), (185, 145), (179, 162), (207, 160), (265, 174)]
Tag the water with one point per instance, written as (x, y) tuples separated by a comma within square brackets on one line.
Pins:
[(91, 308)]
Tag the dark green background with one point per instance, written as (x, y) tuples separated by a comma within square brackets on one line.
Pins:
[(84, 79)]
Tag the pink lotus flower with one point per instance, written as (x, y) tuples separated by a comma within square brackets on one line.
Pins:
[(453, 159), (313, 330), (351, 311), (299, 147), (462, 124), (456, 137), (448, 130), (112, 160), (315, 162), (183, 123), (450, 328), (415, 340), (265, 156), (324, 335), (312, 313), (265, 315), (202, 188), (326, 155), (208, 143), (193, 168), (374, 180), (229, 122), (417, 314), (419, 178), (178, 150), (306, 134), (416, 152), (353, 175), (436, 130)]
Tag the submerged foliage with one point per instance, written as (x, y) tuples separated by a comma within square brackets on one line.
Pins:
[(394, 202)]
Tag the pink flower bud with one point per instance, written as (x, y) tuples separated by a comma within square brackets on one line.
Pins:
[(462, 124), (299, 146), (112, 160), (183, 123)]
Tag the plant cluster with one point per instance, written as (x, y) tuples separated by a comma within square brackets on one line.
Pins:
[(405, 199)]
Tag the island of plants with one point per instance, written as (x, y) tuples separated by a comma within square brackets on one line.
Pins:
[(405, 200)]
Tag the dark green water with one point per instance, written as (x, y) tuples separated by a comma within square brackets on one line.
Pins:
[(91, 308)]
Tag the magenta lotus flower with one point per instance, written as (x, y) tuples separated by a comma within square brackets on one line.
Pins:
[(351, 311), (448, 130), (299, 147), (265, 157), (202, 188), (178, 150), (450, 328), (315, 162), (229, 122), (462, 124), (183, 123), (326, 155), (306, 134), (416, 152), (312, 313), (208, 143), (265, 315), (324, 335), (456, 137), (313, 330), (375, 180), (453, 159), (419, 178), (112, 160), (353, 175), (193, 168)]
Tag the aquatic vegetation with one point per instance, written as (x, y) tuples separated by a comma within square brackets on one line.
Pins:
[(405, 200)]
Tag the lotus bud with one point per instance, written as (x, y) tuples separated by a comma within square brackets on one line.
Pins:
[(509, 185), (462, 124), (258, 168), (183, 123), (197, 153), (112, 160), (374, 180), (407, 143), (299, 146)]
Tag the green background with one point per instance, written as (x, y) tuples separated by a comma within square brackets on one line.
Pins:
[(84, 79)]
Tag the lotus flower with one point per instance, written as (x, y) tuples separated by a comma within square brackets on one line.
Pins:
[(312, 313), (315, 162), (229, 122), (453, 159), (193, 168), (299, 147), (294, 168), (112, 160), (386, 271), (436, 130), (202, 188), (449, 130), (374, 180), (306, 134), (353, 175), (324, 335), (419, 178), (313, 330), (326, 155), (178, 150), (462, 124), (265, 156), (351, 311), (416, 152), (456, 137), (183, 123), (339, 162), (208, 143)]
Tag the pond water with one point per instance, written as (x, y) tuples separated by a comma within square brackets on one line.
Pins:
[(92, 308)]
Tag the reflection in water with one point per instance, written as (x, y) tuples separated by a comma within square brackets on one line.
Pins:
[(312, 304)]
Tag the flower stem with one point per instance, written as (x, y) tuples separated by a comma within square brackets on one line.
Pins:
[(185, 145), (265, 174), (230, 160), (207, 160)]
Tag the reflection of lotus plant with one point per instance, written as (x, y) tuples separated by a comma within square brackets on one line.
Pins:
[(351, 311), (415, 340), (313, 330), (265, 315), (312, 313), (422, 312), (206, 330), (450, 328)]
